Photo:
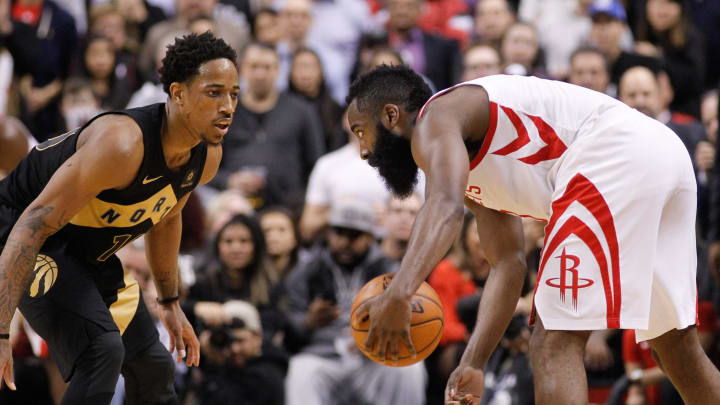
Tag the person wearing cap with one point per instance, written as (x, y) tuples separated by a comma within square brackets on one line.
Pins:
[(321, 290), (609, 23), (237, 363)]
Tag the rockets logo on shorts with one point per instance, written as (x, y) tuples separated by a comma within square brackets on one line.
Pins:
[(569, 279), (582, 191)]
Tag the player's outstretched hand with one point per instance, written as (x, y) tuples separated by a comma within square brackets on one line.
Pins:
[(181, 333), (389, 325), (465, 386), (6, 365)]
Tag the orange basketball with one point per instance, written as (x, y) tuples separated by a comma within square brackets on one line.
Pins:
[(426, 324)]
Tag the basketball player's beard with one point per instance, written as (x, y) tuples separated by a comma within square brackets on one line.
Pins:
[(393, 159)]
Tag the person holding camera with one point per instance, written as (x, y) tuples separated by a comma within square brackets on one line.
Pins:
[(236, 363)]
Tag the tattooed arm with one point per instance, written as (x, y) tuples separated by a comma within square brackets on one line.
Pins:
[(108, 156)]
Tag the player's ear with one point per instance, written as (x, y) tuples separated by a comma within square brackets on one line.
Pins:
[(177, 91), (390, 115)]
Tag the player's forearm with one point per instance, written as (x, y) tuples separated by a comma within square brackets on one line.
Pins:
[(162, 246), (436, 227), (18, 259), (497, 305)]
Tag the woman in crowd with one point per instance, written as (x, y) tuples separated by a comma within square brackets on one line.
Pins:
[(306, 81), (520, 51), (239, 270), (281, 236), (99, 62), (667, 34)]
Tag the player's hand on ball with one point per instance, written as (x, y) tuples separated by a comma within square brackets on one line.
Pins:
[(389, 325), (465, 386), (6, 365), (181, 334)]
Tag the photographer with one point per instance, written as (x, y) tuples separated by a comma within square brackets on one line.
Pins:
[(236, 363)]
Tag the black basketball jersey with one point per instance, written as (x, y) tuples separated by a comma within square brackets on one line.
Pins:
[(114, 217)]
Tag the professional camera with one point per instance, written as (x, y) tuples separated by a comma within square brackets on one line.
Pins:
[(222, 337)]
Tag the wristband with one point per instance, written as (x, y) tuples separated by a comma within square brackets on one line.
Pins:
[(4, 336), (167, 300)]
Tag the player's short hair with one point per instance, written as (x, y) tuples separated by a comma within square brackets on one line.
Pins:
[(389, 85), (184, 57)]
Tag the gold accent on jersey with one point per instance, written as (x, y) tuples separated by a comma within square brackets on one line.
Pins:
[(146, 180), (123, 310), (101, 214), (45, 274)]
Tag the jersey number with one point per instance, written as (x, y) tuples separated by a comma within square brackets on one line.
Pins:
[(118, 242)]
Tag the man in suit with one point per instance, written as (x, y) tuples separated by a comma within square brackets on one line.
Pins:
[(435, 57)]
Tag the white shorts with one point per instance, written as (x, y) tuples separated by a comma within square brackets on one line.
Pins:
[(620, 244)]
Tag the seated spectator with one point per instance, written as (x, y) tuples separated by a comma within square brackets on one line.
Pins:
[(98, 66), (709, 115), (329, 183), (282, 238), (107, 20), (237, 367), (329, 369), (79, 103), (41, 61), (435, 57), (273, 141), (667, 34), (238, 270), (492, 18), (608, 25), (307, 81), (232, 27), (589, 69), (397, 225), (266, 26), (481, 60), (521, 52), (334, 35), (562, 27), (640, 89), (141, 16)]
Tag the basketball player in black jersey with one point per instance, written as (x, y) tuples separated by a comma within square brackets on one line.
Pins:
[(78, 198)]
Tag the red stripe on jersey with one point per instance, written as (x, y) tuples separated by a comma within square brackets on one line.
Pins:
[(487, 139), (554, 147), (582, 190), (522, 134)]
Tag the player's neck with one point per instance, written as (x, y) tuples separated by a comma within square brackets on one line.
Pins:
[(176, 148)]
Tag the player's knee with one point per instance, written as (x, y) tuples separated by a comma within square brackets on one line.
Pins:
[(162, 366), (681, 343), (110, 350)]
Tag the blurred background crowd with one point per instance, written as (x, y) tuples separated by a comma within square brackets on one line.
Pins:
[(275, 248)]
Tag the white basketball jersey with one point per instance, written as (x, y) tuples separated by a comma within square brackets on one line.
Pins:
[(532, 123)]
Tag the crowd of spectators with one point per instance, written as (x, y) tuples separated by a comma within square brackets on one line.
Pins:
[(276, 246)]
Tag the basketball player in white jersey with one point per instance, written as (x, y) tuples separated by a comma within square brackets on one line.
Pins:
[(616, 190)]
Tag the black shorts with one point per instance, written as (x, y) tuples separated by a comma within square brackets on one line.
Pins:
[(67, 304)]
